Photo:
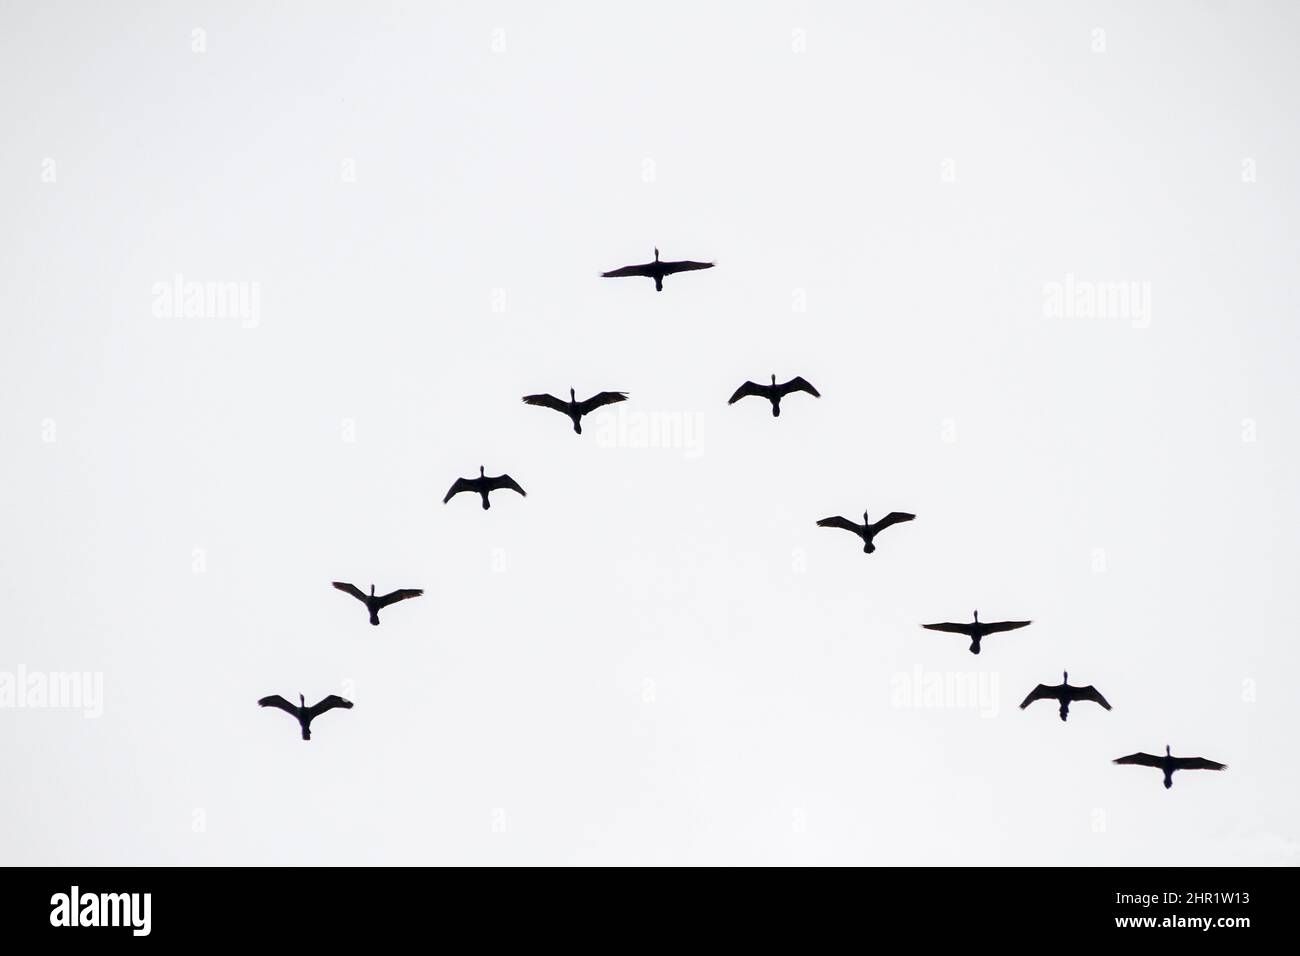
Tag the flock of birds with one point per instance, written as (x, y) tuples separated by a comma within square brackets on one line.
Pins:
[(1063, 693)]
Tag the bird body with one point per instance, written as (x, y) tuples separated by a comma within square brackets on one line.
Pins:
[(977, 630), (866, 531), (1066, 694), (482, 485), (1169, 763), (301, 712), (774, 392), (574, 408), (656, 270), (374, 602)]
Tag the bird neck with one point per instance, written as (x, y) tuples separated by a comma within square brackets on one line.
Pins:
[(480, 471)]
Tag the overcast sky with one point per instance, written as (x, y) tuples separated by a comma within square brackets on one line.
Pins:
[(655, 657)]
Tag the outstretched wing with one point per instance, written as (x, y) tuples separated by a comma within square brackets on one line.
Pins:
[(839, 522), (1089, 693), (505, 481), (951, 628), (646, 269), (749, 388), (399, 595), (275, 700), (1198, 763), (894, 517), (329, 703), (352, 589), (1141, 759), (548, 401), (1041, 692), (996, 626), (684, 265), (461, 484), (799, 384), (599, 399)]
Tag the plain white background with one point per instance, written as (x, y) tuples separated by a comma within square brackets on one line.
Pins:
[(656, 657)]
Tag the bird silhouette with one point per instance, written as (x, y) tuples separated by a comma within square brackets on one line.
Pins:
[(574, 408), (774, 392), (483, 484), (302, 713), (374, 602), (866, 531), (1064, 693), (977, 630), (1169, 763), (656, 270)]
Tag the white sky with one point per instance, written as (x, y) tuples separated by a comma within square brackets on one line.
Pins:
[(656, 657)]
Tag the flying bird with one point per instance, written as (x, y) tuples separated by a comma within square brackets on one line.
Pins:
[(657, 270), (1169, 763), (1064, 693), (866, 531), (302, 713), (574, 408), (774, 392), (978, 630), (483, 484), (374, 602)]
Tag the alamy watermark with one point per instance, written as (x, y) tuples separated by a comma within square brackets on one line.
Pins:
[(666, 430), (1089, 299), (53, 690), (188, 299), (945, 690)]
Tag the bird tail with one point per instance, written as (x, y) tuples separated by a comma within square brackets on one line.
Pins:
[(975, 646), (1169, 780), (374, 618), (577, 427), (776, 409), (1065, 710), (306, 732)]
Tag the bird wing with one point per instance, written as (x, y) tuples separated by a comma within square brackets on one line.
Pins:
[(749, 388), (839, 521), (798, 384), (1041, 692), (1198, 763), (646, 269), (329, 703), (599, 399), (951, 628), (996, 626), (1141, 759), (505, 481), (685, 265), (461, 484), (399, 595), (548, 401), (894, 517), (1089, 693), (275, 700), (350, 589)]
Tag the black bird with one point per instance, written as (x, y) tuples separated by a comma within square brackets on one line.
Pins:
[(656, 270), (1169, 763), (374, 602), (866, 531), (574, 408), (304, 714), (977, 630), (483, 484), (1064, 693), (774, 392)]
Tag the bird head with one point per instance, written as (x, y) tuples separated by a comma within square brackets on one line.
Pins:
[(656, 253), (977, 616), (573, 396), (865, 519), (372, 590), (1168, 752), (773, 378), (480, 471), (1065, 677), (302, 701)]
